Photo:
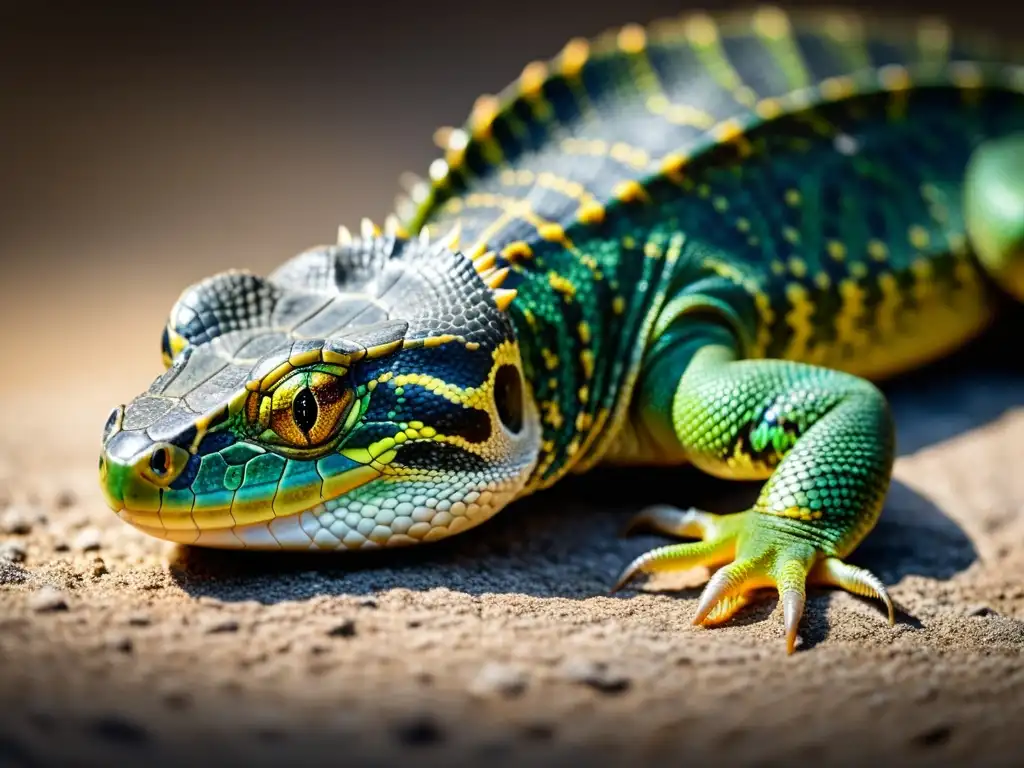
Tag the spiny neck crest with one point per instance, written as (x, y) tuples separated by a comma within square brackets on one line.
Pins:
[(483, 263)]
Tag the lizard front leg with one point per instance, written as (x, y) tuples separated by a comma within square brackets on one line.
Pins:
[(824, 440)]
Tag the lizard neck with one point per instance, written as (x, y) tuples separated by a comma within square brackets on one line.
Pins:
[(583, 315)]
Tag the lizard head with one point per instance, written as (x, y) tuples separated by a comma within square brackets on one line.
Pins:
[(365, 394)]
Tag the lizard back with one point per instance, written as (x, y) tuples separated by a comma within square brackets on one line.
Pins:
[(811, 164)]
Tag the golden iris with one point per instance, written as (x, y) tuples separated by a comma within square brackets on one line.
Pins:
[(304, 409)]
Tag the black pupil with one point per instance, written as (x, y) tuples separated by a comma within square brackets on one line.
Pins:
[(508, 397), (158, 461), (305, 410)]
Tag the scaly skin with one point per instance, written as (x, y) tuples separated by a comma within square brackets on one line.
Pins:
[(701, 242)]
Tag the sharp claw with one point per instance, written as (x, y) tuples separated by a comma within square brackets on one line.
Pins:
[(883, 595), (652, 518), (671, 521), (754, 562), (677, 557), (725, 609), (731, 582), (792, 610), (860, 581), (718, 588), (629, 572)]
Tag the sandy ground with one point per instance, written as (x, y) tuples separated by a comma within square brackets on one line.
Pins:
[(503, 644)]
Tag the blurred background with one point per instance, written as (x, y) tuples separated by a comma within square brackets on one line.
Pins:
[(146, 145)]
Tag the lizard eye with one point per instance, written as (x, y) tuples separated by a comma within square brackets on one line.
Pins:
[(508, 397), (304, 410)]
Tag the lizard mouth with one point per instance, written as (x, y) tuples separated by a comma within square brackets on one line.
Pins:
[(281, 515), (294, 531), (332, 525)]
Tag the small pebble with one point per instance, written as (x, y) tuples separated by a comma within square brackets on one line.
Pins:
[(139, 620), (499, 679), (12, 573), (99, 568), (346, 628), (981, 610), (15, 521), (121, 643), (48, 599), (221, 625), (595, 674), (12, 552), (65, 499), (87, 540)]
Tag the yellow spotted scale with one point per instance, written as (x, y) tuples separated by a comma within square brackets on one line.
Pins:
[(704, 241)]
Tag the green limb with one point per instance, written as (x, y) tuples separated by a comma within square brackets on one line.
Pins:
[(823, 440), (994, 210)]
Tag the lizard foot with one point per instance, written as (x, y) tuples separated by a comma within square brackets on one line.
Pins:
[(753, 554)]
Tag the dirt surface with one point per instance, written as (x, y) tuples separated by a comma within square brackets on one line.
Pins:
[(503, 644)]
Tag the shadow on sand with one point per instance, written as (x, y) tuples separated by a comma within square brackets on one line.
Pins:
[(566, 542)]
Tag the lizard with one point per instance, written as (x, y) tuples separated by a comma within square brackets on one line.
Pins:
[(702, 241)]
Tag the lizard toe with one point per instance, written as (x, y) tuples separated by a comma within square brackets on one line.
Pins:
[(752, 556)]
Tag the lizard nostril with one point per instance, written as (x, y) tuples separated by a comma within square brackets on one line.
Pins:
[(163, 463), (160, 462)]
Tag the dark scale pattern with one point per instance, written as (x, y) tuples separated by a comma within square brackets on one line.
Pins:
[(184, 480), (456, 364), (861, 260), (371, 431), (429, 456), (580, 334), (398, 404), (221, 304), (612, 111), (785, 174)]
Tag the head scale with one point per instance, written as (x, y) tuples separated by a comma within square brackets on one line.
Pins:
[(365, 394)]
